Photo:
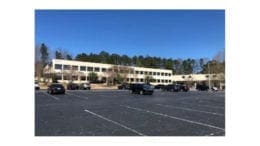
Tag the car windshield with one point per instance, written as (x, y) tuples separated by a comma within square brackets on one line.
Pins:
[(147, 87), (56, 85)]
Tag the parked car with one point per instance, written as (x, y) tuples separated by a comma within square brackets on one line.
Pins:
[(56, 88), (124, 86), (202, 87), (159, 86), (84, 86), (176, 88), (72, 86), (170, 87), (36, 85), (141, 89), (184, 88), (214, 88)]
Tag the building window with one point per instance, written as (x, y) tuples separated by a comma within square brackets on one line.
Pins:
[(58, 66), (96, 69), (158, 73), (132, 79), (136, 72), (65, 77), (90, 68), (115, 70), (170, 74), (74, 78), (158, 81), (183, 77), (141, 72), (66, 67), (127, 79), (74, 67), (170, 81), (166, 74), (82, 68), (142, 80), (104, 69), (145, 72), (150, 73), (162, 81), (166, 81), (83, 78), (58, 77), (137, 80), (162, 74), (154, 73), (131, 71), (214, 76), (207, 76)]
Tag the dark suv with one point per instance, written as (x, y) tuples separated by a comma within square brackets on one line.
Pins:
[(72, 86), (123, 86), (56, 88), (176, 88), (141, 89), (184, 88), (202, 87), (159, 86)]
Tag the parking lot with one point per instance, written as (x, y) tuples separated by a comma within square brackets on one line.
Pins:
[(119, 113)]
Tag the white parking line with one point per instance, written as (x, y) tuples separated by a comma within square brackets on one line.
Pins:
[(172, 117), (216, 107), (188, 109), (51, 96), (76, 96), (114, 122)]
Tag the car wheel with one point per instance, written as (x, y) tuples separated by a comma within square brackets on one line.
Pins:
[(142, 92)]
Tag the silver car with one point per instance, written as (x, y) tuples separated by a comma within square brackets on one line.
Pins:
[(84, 86)]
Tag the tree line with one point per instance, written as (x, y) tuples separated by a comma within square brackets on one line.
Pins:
[(43, 56)]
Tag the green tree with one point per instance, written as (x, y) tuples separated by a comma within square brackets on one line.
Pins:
[(92, 76), (118, 78), (169, 64), (148, 79), (188, 66), (213, 67), (44, 59), (104, 56), (136, 61), (68, 57), (82, 57), (177, 66), (58, 55), (44, 54)]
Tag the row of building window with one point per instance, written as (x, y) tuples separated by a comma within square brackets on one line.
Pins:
[(97, 69), (152, 73), (82, 68), (153, 81), (84, 78)]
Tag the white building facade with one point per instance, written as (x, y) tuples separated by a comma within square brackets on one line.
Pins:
[(78, 72)]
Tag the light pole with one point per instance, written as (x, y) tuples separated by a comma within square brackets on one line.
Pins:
[(209, 76)]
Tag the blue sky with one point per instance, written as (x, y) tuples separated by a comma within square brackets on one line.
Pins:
[(162, 33)]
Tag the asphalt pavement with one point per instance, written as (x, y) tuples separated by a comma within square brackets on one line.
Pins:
[(119, 113)]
